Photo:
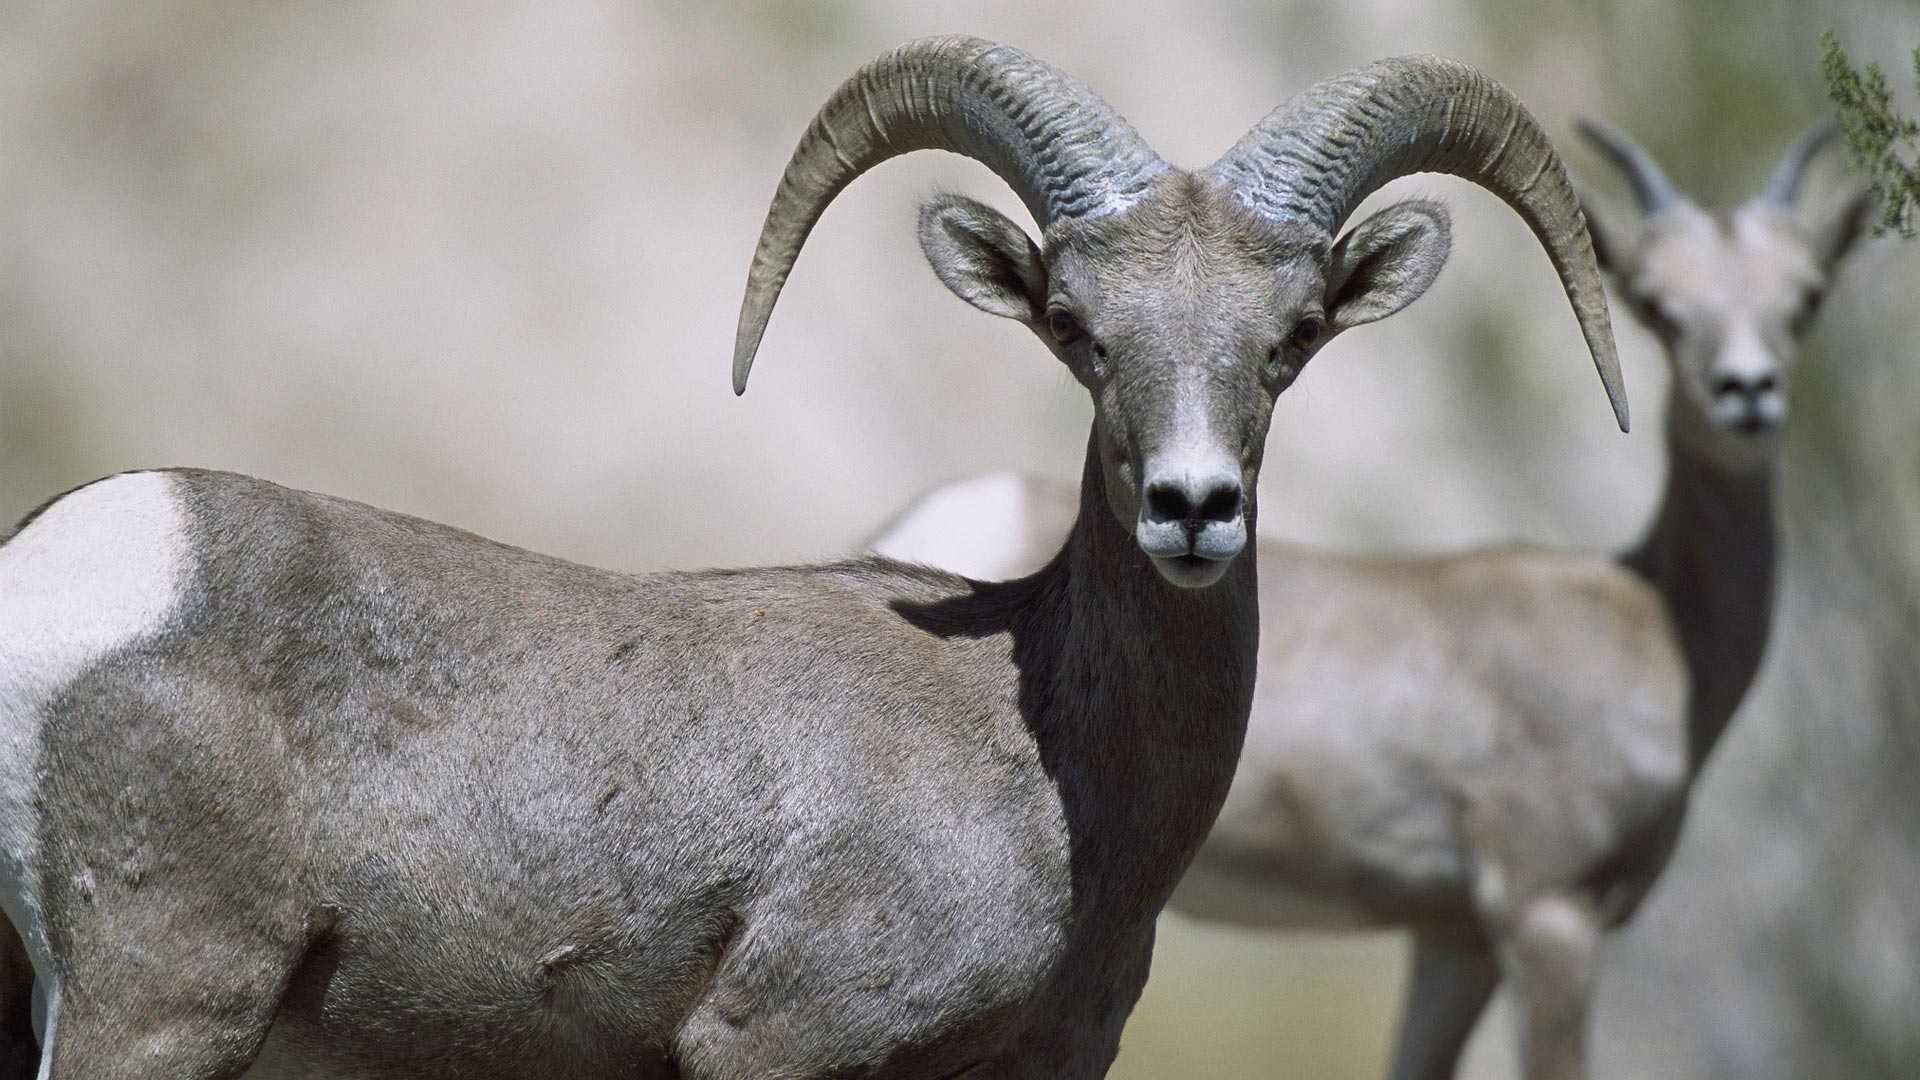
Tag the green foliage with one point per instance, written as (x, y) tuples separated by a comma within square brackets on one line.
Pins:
[(1880, 141)]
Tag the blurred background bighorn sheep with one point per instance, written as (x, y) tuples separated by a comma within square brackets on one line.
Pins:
[(1495, 748), (292, 784)]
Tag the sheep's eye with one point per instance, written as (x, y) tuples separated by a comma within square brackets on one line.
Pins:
[(1803, 312), (1064, 327), (1655, 315), (1309, 332)]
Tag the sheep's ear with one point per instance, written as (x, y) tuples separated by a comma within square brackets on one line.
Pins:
[(1611, 243), (1386, 262), (984, 258), (1843, 227)]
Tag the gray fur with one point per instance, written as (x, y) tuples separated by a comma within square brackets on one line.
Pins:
[(694, 858), (1496, 748), (371, 797)]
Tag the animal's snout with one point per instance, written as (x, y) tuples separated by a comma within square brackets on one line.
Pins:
[(1192, 519), (1745, 385), (1194, 502), (1748, 402)]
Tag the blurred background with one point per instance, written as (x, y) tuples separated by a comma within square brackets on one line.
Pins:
[(480, 262)]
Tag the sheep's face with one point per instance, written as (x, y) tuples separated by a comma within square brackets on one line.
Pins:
[(1730, 297), (1184, 317)]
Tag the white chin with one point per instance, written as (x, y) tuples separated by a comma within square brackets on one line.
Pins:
[(1191, 571)]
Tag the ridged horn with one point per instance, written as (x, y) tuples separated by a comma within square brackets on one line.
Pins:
[(1783, 184), (1651, 188), (1064, 151), (1316, 157)]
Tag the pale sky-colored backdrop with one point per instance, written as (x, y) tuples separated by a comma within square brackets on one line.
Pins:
[(481, 261)]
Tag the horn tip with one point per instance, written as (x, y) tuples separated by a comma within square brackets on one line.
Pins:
[(1606, 361), (1617, 397), (746, 337)]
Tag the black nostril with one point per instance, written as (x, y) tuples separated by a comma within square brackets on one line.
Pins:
[(1765, 384), (1218, 502), (1221, 504), (1728, 386), (1166, 502)]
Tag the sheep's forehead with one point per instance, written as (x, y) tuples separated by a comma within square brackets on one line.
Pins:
[(1193, 245), (1753, 261)]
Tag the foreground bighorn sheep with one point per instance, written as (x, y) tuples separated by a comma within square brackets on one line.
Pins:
[(1495, 748), (291, 786)]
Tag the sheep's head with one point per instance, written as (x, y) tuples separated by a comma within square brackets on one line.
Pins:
[(1184, 318), (1184, 301), (1729, 294)]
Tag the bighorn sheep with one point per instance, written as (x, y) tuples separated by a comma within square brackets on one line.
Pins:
[(1495, 748), (291, 786)]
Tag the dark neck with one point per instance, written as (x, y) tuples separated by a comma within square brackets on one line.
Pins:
[(1711, 555), (1137, 695), (1148, 698)]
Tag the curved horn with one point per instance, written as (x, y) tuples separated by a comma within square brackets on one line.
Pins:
[(1064, 151), (1316, 157), (1783, 184), (1650, 186)]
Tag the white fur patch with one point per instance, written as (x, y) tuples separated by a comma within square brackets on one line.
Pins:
[(974, 528), (97, 571)]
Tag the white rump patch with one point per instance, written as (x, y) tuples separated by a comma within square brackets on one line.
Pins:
[(975, 528), (100, 569)]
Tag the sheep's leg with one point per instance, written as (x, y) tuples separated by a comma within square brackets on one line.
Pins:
[(197, 1027), (144, 995), (1547, 954), (1452, 980)]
